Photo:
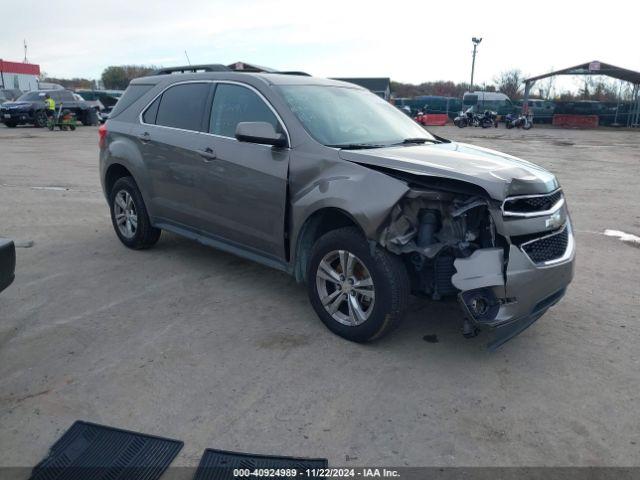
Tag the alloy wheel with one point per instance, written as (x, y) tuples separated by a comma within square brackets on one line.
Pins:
[(124, 211), (345, 287)]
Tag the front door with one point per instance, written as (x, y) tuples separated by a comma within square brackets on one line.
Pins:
[(245, 184)]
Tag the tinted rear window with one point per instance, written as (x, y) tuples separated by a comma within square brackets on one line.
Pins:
[(131, 94), (183, 106)]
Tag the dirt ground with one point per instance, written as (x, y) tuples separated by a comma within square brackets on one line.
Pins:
[(191, 343)]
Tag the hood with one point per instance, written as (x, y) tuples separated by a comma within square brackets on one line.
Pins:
[(18, 104), (499, 174)]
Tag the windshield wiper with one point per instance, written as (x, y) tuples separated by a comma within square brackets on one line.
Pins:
[(356, 146), (417, 140)]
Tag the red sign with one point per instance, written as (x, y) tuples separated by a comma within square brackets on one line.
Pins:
[(20, 68)]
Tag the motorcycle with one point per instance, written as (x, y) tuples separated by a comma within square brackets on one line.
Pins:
[(524, 121), (489, 119), (467, 118)]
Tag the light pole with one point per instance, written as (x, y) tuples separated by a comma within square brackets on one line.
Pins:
[(476, 42)]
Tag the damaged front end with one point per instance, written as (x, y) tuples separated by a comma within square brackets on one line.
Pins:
[(467, 246)]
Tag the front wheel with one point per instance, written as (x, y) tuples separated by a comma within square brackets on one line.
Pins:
[(129, 216), (527, 125), (40, 119), (359, 293)]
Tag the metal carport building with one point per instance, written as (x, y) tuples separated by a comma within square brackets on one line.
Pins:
[(597, 68)]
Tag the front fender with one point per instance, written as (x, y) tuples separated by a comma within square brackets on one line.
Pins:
[(365, 195)]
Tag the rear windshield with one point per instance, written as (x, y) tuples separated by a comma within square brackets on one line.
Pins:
[(131, 94)]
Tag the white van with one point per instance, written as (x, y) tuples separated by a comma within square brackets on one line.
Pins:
[(494, 101)]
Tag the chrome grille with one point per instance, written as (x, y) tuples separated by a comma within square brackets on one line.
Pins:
[(547, 248), (531, 204)]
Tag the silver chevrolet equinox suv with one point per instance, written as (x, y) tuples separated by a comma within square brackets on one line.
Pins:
[(330, 183)]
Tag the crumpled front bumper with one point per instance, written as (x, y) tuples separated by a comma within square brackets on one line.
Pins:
[(519, 297)]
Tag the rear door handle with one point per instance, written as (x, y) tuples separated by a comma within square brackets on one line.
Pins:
[(145, 137), (207, 154)]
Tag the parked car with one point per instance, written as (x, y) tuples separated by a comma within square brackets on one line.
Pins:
[(102, 101), (330, 183), (30, 108), (7, 263), (9, 94)]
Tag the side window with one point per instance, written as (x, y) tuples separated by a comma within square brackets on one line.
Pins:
[(150, 114), (55, 95), (233, 104), (183, 106)]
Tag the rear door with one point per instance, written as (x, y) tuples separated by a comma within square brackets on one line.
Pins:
[(174, 152), (245, 184)]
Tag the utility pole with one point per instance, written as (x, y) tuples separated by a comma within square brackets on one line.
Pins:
[(25, 50), (476, 42)]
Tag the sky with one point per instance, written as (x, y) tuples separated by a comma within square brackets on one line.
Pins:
[(409, 41)]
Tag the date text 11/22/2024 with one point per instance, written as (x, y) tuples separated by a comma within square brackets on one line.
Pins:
[(316, 472)]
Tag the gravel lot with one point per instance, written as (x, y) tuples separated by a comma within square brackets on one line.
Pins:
[(191, 343)]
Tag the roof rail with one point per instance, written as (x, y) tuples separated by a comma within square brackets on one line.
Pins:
[(216, 67)]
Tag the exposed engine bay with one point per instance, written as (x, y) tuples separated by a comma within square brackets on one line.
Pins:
[(431, 229)]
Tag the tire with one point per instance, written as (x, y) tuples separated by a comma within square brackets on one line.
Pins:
[(381, 311), (137, 236), (40, 119), (11, 124), (527, 125)]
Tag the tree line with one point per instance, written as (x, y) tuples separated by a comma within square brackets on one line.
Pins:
[(509, 82)]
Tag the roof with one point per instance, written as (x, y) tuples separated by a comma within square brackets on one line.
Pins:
[(268, 78), (594, 68), (375, 84), (19, 67)]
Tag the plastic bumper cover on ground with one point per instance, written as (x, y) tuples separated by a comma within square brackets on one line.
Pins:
[(7, 263)]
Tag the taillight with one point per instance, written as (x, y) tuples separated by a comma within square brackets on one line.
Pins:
[(102, 135)]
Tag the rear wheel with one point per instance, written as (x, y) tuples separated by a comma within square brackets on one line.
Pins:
[(11, 124), (358, 293), (129, 215)]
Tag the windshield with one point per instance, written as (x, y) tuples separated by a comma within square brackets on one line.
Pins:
[(343, 117), (30, 97)]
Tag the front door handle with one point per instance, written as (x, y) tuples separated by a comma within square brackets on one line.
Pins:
[(145, 137), (207, 154)]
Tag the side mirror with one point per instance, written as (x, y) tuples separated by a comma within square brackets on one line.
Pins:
[(260, 132)]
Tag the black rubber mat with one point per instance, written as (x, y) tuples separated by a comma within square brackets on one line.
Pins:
[(97, 452), (220, 465)]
